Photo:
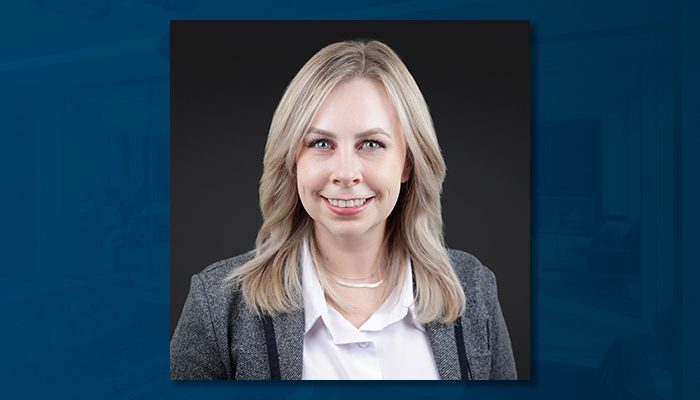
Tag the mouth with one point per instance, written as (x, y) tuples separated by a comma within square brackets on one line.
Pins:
[(347, 206)]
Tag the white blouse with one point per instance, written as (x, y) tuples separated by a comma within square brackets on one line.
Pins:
[(391, 344)]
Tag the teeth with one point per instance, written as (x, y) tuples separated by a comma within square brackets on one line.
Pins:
[(347, 203)]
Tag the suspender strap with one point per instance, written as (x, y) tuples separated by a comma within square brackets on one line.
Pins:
[(271, 343), (464, 367)]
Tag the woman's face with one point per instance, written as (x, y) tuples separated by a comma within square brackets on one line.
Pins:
[(351, 164)]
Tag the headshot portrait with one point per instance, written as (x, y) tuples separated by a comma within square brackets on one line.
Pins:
[(350, 200)]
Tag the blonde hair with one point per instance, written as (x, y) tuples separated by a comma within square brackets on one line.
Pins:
[(270, 282)]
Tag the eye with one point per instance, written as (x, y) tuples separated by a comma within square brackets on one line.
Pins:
[(320, 144), (372, 145)]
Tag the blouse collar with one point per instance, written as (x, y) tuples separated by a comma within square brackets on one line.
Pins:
[(398, 305)]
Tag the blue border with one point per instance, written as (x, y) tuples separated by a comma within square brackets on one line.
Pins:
[(84, 99)]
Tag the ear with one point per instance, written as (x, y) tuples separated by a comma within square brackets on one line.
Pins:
[(406, 172)]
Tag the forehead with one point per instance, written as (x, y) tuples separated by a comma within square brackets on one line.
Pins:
[(357, 105)]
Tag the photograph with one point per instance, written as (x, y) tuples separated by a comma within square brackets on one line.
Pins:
[(350, 200)]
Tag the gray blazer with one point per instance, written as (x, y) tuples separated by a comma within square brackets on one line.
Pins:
[(218, 337)]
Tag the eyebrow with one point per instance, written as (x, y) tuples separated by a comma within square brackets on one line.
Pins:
[(358, 135)]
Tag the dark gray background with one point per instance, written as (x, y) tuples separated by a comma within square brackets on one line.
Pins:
[(227, 78)]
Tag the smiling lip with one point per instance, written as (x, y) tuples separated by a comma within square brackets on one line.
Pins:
[(347, 210)]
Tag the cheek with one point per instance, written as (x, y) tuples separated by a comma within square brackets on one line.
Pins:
[(305, 186), (386, 180), (309, 177), (394, 171)]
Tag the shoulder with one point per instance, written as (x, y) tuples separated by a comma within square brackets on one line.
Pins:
[(478, 281), (200, 346), (227, 265), (212, 287), (469, 268), (219, 270)]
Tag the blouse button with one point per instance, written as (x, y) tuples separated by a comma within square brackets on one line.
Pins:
[(363, 344)]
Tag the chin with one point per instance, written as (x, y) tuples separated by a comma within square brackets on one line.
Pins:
[(346, 230), (347, 233)]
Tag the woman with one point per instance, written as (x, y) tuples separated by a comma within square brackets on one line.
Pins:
[(350, 278)]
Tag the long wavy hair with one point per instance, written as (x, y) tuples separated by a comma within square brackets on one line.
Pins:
[(271, 281)]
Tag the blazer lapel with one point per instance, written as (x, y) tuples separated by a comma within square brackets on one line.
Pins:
[(289, 332), (442, 340)]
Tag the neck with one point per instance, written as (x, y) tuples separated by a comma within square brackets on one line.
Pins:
[(353, 257)]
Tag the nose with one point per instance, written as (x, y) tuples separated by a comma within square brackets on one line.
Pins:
[(346, 171)]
